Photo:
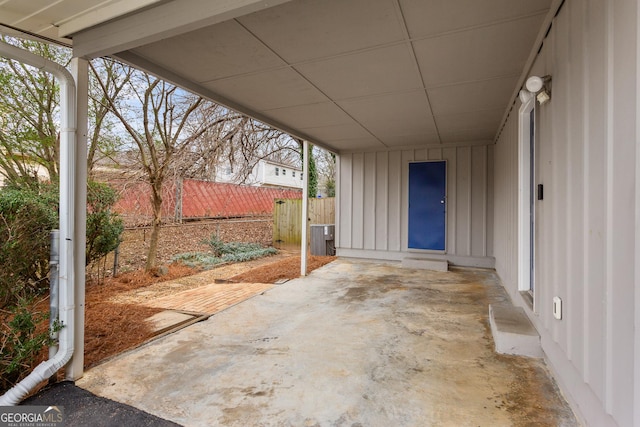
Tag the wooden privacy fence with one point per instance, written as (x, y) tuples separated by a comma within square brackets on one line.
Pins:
[(287, 219)]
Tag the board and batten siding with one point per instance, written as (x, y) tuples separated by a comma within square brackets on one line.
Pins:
[(373, 203), (587, 225)]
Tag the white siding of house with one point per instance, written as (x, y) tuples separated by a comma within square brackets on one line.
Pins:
[(587, 224), (373, 197), (284, 178), (263, 174)]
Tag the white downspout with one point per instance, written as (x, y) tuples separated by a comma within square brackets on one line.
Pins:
[(67, 198)]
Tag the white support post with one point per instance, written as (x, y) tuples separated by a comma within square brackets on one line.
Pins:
[(637, 235), (80, 72), (337, 212), (305, 207)]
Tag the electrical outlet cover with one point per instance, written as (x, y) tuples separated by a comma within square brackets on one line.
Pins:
[(557, 308)]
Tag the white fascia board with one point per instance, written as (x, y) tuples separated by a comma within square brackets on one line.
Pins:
[(102, 13), (167, 19)]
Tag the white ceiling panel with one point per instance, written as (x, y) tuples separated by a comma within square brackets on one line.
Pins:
[(484, 119), (409, 140), (10, 16), (377, 71), (268, 90), (35, 16), (393, 114), (20, 10), (338, 132), (357, 144), (311, 115), (44, 17), (428, 18), (467, 135), (477, 54), (472, 96), (309, 29), (104, 11), (223, 50)]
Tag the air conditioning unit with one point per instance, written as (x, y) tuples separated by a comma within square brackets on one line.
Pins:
[(322, 239)]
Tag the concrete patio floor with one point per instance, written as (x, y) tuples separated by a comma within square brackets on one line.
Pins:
[(354, 344)]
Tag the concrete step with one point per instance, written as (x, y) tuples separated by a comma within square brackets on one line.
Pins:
[(513, 332), (426, 264)]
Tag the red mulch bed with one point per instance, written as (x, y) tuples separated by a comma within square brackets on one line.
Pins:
[(288, 268), (113, 328)]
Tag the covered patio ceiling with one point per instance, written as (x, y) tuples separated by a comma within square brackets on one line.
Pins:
[(344, 74)]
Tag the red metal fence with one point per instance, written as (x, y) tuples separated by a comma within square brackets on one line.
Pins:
[(191, 199)]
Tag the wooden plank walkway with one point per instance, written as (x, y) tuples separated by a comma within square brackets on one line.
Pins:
[(210, 299)]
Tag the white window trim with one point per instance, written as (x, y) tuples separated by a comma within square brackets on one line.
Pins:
[(524, 190)]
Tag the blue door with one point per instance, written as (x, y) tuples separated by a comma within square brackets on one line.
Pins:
[(427, 205)]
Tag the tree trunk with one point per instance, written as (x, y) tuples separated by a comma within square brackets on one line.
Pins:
[(156, 202)]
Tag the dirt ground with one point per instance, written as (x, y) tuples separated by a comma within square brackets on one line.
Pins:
[(181, 238)]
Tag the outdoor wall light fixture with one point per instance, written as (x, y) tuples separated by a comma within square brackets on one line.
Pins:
[(540, 87)]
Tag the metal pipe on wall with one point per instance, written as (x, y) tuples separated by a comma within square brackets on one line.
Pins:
[(54, 271)]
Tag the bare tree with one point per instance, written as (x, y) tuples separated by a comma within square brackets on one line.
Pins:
[(108, 80), (235, 142), (29, 113), (29, 102), (205, 153), (161, 120)]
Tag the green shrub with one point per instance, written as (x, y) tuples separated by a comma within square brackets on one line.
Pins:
[(220, 248), (104, 227), (248, 255), (27, 216), (197, 259), (216, 245), (21, 344), (223, 252)]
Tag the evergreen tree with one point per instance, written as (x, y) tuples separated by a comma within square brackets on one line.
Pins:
[(313, 175)]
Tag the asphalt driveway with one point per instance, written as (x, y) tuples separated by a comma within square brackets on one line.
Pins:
[(355, 343), (82, 408)]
